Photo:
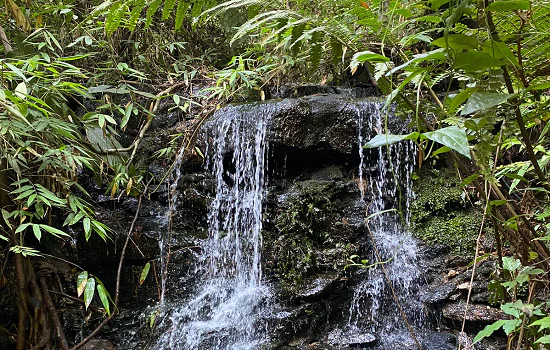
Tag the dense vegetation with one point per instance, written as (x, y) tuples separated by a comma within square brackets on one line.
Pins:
[(474, 76)]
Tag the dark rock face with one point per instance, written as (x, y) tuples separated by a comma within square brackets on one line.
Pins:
[(439, 341)]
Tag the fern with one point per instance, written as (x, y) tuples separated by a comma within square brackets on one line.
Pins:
[(316, 48), (151, 10), (135, 14), (180, 13), (167, 9)]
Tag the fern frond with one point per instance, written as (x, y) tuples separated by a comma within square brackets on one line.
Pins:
[(167, 9), (135, 14), (151, 10), (259, 20), (180, 13)]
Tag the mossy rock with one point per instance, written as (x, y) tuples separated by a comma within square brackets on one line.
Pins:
[(440, 213)]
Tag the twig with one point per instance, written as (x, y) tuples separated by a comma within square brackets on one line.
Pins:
[(118, 279), (53, 313)]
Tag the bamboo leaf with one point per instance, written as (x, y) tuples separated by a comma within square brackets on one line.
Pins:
[(144, 273), (81, 281), (89, 291), (103, 296)]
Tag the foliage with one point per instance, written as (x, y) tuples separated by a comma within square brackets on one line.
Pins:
[(524, 317)]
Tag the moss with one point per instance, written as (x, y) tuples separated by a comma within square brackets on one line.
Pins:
[(440, 213), (457, 229), (303, 223)]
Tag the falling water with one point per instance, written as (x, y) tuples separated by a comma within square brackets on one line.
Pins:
[(387, 192), (226, 309)]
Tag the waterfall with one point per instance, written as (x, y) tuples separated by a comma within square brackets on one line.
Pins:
[(385, 184), (225, 310)]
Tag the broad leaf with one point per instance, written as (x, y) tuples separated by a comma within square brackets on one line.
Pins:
[(389, 139), (366, 56), (510, 326), (500, 51), (36, 231), (475, 61), (453, 137), (510, 264), (89, 291), (543, 340), (544, 323), (508, 5), (483, 100), (457, 42), (488, 330)]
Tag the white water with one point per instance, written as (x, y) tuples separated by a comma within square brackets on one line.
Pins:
[(385, 184), (225, 311)]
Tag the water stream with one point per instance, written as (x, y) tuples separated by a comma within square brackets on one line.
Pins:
[(388, 182), (225, 311), (230, 303)]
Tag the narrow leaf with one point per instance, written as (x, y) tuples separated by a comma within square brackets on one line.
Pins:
[(89, 291), (144, 273), (81, 281)]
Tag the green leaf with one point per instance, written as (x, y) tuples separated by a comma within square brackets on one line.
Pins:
[(366, 56), (544, 323), (21, 228), (89, 290), (543, 340), (53, 230), (81, 281), (104, 298), (500, 51), (457, 42), (4, 238), (389, 139), (87, 226), (488, 330), (36, 231), (453, 137), (144, 273), (475, 61), (510, 326), (510, 264), (508, 5), (484, 100)]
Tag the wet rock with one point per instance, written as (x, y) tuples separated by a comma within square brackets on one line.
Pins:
[(438, 293), (318, 285), (476, 313), (308, 90), (99, 344), (326, 123), (353, 339), (439, 341)]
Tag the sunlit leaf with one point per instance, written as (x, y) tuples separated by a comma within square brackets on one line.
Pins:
[(89, 291), (81, 281), (453, 137)]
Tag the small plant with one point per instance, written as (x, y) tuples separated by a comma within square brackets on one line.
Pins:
[(524, 317)]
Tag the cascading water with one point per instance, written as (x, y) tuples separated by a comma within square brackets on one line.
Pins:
[(386, 186), (226, 309)]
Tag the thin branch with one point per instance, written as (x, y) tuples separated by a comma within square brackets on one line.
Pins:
[(53, 313), (118, 276)]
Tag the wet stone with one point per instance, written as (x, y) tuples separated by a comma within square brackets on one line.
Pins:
[(317, 286), (438, 293), (476, 313), (439, 341)]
